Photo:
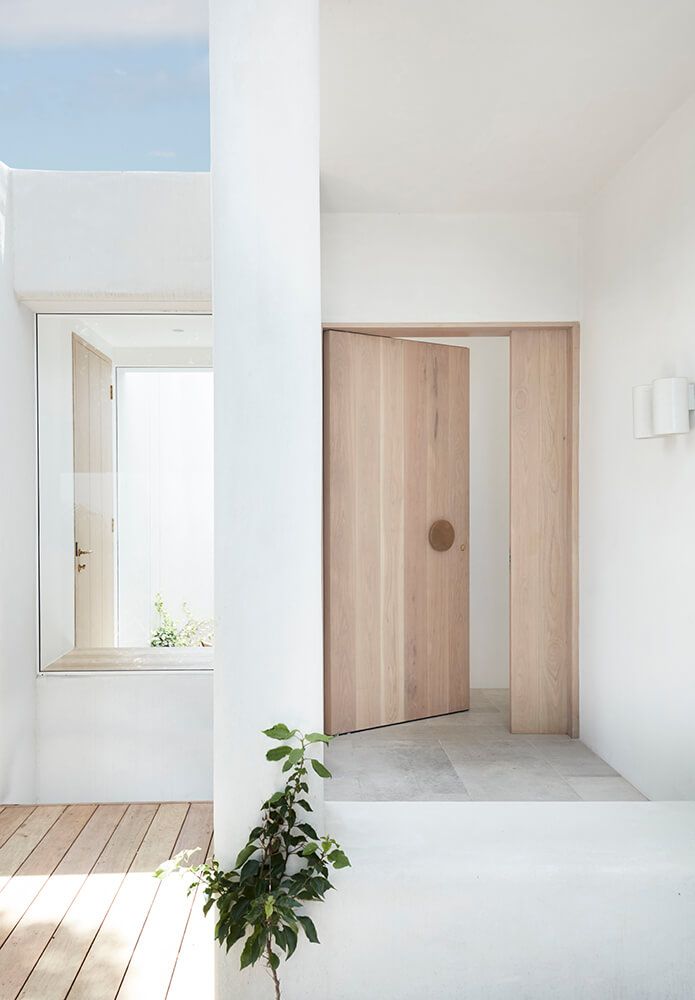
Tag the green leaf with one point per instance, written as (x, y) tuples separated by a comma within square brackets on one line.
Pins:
[(291, 939), (303, 804), (309, 929), (277, 753), (247, 953), (310, 849), (279, 732), (321, 769), (244, 855), (235, 932), (338, 859), (253, 948), (249, 870), (317, 738), (308, 829), (273, 960), (277, 797)]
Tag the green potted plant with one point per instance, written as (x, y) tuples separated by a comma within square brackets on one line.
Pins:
[(191, 632), (284, 865)]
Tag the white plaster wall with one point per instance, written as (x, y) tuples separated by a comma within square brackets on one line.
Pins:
[(112, 241), (502, 901), (165, 497), (18, 521), (56, 490), (268, 391), (489, 509), (637, 511), (124, 737), (450, 268)]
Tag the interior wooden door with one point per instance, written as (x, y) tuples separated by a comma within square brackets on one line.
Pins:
[(542, 519), (94, 500), (396, 461)]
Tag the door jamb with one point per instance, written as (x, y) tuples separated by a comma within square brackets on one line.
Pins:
[(417, 330)]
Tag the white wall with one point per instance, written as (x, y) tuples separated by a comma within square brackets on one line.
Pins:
[(18, 521), (450, 268), (637, 510), (113, 242), (268, 392), (56, 489), (165, 497), (502, 901), (124, 737), (489, 509)]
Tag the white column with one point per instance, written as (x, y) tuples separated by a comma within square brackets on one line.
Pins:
[(18, 515), (268, 409)]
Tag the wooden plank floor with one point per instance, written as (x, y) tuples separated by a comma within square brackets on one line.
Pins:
[(81, 916)]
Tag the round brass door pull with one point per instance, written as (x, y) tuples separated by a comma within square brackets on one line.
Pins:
[(442, 535)]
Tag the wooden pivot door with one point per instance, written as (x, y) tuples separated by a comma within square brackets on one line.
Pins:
[(396, 588), (543, 430), (94, 496)]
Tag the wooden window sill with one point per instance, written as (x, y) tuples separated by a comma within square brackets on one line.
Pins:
[(135, 659)]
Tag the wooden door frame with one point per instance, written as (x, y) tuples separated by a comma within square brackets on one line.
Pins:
[(443, 330)]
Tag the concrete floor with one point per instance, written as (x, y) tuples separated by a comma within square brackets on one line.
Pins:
[(469, 756)]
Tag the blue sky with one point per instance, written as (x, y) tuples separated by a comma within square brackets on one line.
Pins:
[(106, 95)]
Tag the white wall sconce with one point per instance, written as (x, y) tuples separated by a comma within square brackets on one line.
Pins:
[(663, 407)]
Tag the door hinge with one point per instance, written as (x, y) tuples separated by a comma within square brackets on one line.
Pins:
[(110, 392), (113, 524)]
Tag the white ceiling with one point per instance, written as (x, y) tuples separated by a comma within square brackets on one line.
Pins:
[(161, 330), (484, 105)]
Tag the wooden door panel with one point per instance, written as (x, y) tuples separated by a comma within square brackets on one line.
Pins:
[(93, 474), (540, 531), (436, 478), (396, 455)]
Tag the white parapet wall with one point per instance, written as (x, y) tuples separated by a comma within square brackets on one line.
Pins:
[(18, 517), (119, 242), (502, 901)]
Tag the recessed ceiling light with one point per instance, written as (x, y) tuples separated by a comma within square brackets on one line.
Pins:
[(177, 329)]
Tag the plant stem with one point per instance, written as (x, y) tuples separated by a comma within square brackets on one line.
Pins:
[(273, 973)]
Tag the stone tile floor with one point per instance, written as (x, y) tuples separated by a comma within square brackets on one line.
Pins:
[(469, 756)]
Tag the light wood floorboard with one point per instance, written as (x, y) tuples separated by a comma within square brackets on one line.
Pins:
[(81, 915)]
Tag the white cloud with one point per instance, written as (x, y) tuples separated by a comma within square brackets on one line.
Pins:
[(63, 22)]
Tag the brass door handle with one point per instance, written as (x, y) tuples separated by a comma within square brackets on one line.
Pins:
[(81, 552), (81, 566)]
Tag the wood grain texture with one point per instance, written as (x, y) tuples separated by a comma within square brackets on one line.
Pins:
[(419, 331), (31, 877), (101, 926), (396, 459), (107, 960), (75, 930), (94, 499), (152, 964), (28, 939), (28, 835), (541, 574), (11, 819)]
